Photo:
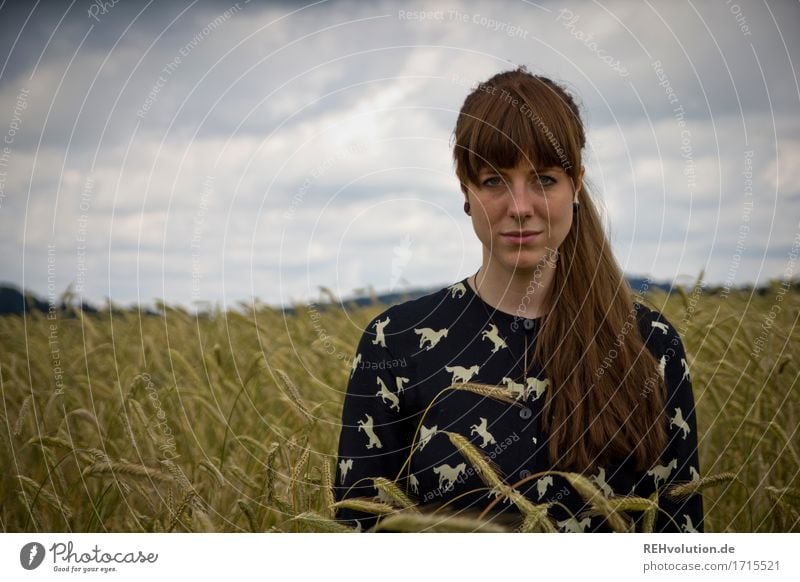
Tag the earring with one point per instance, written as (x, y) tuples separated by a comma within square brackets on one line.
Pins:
[(466, 207), (575, 206)]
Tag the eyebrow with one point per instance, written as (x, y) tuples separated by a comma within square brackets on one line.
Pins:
[(533, 170)]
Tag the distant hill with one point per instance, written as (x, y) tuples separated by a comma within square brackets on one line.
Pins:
[(13, 301)]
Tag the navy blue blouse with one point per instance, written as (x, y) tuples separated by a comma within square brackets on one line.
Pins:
[(411, 352)]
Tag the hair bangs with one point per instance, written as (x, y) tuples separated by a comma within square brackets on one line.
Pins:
[(503, 133)]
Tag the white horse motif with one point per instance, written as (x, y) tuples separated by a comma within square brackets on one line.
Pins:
[(680, 422), (462, 374), (536, 387), (600, 479), (457, 290), (662, 366), (688, 527), (401, 381), (659, 325), (572, 525), (379, 337), (449, 475), (514, 387), (427, 334), (542, 483), (413, 483), (387, 394), (493, 336), (695, 475), (685, 369), (344, 467), (356, 362), (427, 433), (661, 472), (497, 491), (374, 441), (487, 437)]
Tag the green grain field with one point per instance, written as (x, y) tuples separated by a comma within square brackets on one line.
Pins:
[(125, 423)]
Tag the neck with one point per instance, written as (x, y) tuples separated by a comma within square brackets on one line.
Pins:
[(521, 292)]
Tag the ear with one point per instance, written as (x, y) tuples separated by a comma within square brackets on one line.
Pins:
[(579, 182)]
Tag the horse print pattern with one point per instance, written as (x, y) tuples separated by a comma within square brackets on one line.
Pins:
[(404, 398)]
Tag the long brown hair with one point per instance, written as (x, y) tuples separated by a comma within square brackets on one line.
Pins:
[(606, 400)]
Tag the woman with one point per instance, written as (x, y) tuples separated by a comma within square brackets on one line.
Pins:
[(592, 381)]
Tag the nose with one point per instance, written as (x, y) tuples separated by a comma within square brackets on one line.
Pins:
[(521, 202)]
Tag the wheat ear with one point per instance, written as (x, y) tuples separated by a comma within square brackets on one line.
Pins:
[(679, 491), (394, 493), (366, 505), (320, 522), (500, 393), (595, 497)]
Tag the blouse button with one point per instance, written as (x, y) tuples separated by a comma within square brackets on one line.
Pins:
[(525, 413), (528, 324), (524, 473)]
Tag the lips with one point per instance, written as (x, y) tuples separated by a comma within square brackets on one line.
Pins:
[(520, 232), (520, 236)]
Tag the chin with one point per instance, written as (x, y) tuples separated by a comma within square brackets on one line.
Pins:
[(526, 261)]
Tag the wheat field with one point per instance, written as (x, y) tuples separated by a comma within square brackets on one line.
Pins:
[(125, 423)]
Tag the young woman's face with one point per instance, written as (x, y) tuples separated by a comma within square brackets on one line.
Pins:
[(507, 202)]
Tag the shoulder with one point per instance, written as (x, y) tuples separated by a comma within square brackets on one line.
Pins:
[(658, 332), (654, 325), (435, 309), (428, 306)]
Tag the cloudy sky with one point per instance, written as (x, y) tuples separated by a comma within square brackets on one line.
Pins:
[(219, 151)]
